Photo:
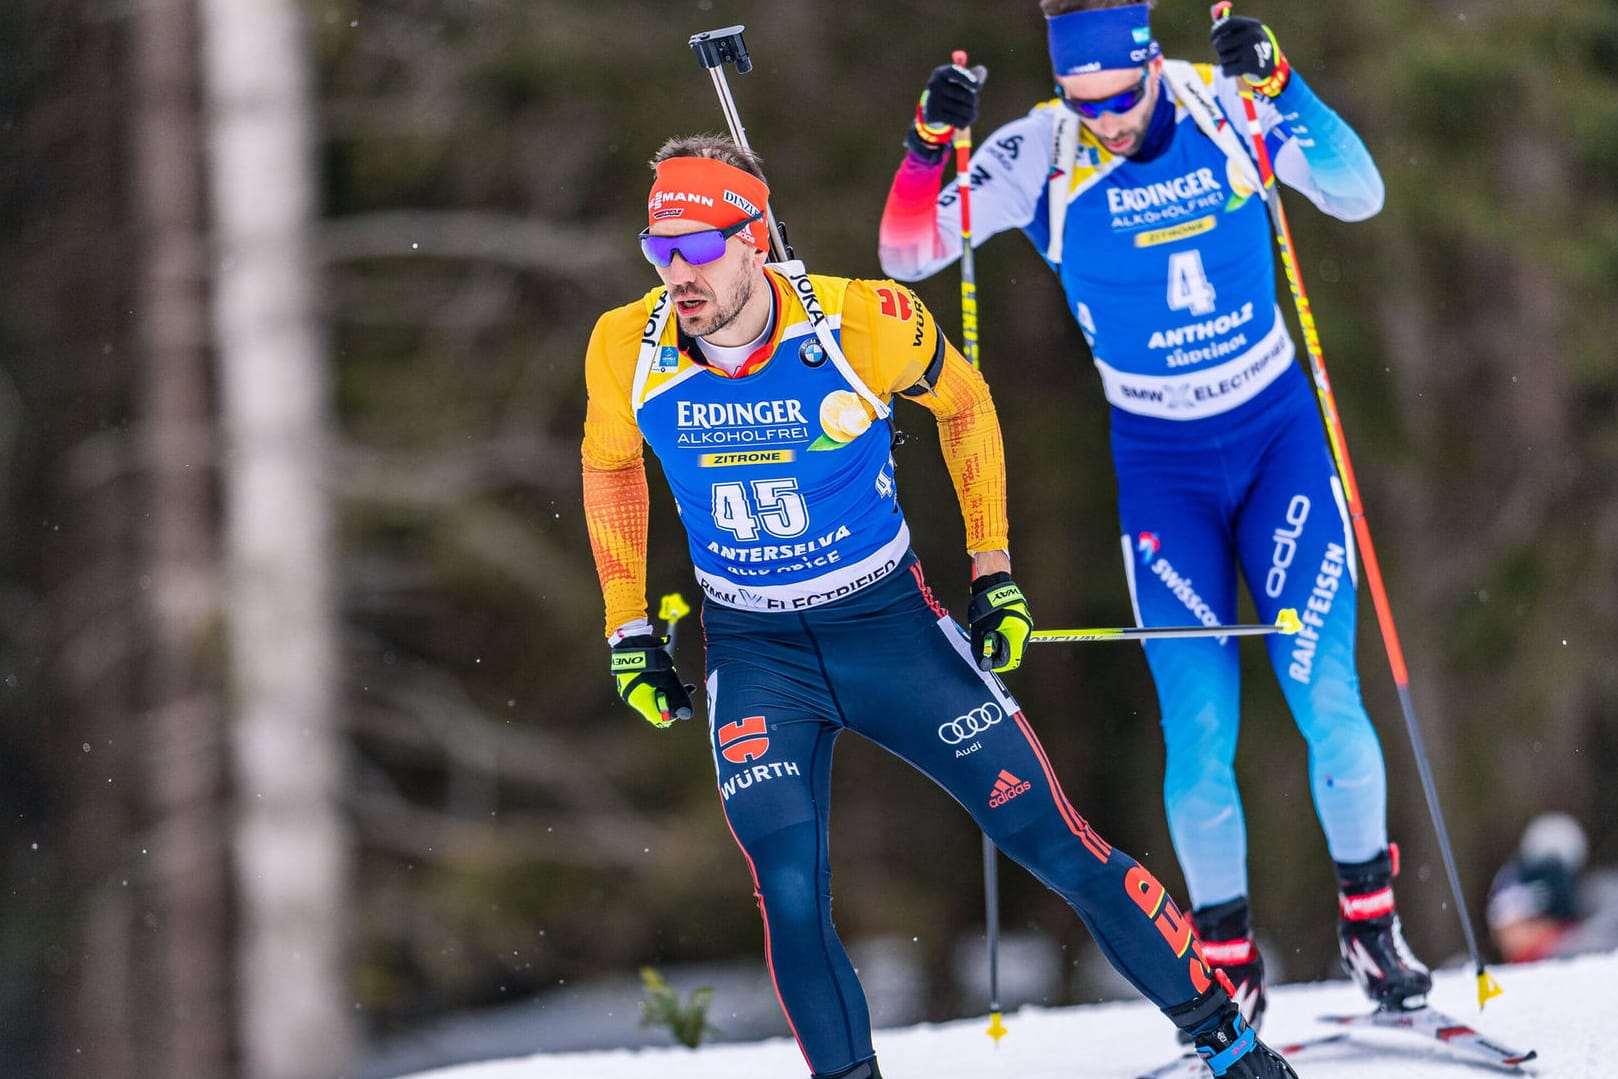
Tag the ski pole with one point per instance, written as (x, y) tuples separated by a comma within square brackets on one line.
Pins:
[(1286, 622), (715, 49), (963, 184), (991, 903), (1487, 986), (672, 608), (969, 348)]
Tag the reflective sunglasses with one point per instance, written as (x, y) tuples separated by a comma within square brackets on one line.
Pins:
[(1117, 103), (697, 248)]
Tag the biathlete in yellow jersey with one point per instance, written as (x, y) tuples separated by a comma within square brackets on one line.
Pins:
[(765, 393)]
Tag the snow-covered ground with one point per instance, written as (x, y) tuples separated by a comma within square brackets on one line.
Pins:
[(1565, 1009)]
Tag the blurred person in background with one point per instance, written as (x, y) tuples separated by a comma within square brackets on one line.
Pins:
[(765, 393), (1542, 903), (1135, 186)]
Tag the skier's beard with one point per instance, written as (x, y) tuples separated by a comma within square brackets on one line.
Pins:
[(721, 313)]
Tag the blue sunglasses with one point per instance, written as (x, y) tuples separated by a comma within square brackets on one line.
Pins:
[(697, 248), (1092, 109)]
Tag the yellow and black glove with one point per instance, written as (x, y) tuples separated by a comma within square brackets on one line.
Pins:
[(999, 622), (648, 682)]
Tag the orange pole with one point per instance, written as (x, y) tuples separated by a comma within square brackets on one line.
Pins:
[(1487, 987)]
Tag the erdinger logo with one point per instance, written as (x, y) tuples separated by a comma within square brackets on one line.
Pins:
[(1148, 545), (974, 723), (745, 740), (1007, 787)]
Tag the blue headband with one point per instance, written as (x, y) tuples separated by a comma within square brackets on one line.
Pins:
[(1101, 39)]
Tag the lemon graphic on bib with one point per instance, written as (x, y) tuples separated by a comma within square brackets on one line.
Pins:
[(843, 418), (1240, 187)]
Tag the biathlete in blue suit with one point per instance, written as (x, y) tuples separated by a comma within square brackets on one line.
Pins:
[(765, 392), (1138, 189)]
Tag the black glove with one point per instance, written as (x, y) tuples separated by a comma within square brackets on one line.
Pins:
[(1248, 48), (648, 682), (1000, 622), (950, 101)]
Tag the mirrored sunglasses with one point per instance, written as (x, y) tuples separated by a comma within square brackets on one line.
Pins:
[(697, 248), (1092, 109)]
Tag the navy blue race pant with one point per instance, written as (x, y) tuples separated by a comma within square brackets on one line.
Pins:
[(890, 664)]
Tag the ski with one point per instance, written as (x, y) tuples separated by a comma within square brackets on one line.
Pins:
[(1431, 1023), (1190, 1065)]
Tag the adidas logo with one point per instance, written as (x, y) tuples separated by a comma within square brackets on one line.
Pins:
[(1007, 787)]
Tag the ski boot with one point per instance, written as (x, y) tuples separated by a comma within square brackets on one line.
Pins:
[(865, 1069), (1227, 945), (1225, 1042), (1375, 953)]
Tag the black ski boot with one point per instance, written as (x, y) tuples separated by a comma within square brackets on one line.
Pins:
[(1225, 1042), (1226, 941), (1375, 953), (1227, 945), (865, 1069)]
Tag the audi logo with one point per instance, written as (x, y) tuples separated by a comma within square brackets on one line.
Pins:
[(974, 723)]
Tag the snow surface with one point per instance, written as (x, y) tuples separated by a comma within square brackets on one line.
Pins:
[(1563, 1008)]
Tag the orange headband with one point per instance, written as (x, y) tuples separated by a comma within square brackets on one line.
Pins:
[(710, 191)]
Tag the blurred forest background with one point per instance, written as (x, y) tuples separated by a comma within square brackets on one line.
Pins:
[(306, 736)]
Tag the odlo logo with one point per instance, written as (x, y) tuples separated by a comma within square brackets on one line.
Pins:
[(1007, 787), (744, 740)]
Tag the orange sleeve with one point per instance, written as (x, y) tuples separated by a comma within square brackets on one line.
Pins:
[(892, 341), (616, 500)]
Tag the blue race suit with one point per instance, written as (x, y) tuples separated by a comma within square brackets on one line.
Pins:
[(818, 621), (1218, 448)]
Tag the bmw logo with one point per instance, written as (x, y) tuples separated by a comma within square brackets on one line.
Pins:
[(811, 353)]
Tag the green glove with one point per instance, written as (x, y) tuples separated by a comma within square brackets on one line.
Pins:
[(1000, 622), (648, 682)]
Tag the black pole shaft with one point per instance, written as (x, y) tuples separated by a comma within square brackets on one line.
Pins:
[(1430, 789), (991, 903)]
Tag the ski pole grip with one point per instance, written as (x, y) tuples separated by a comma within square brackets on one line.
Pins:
[(980, 73), (1220, 11), (715, 48)]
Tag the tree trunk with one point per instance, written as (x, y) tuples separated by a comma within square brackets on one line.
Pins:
[(292, 860), (184, 755)]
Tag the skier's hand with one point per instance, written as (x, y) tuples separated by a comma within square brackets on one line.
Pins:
[(1000, 622), (648, 682), (949, 101), (1248, 48)]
